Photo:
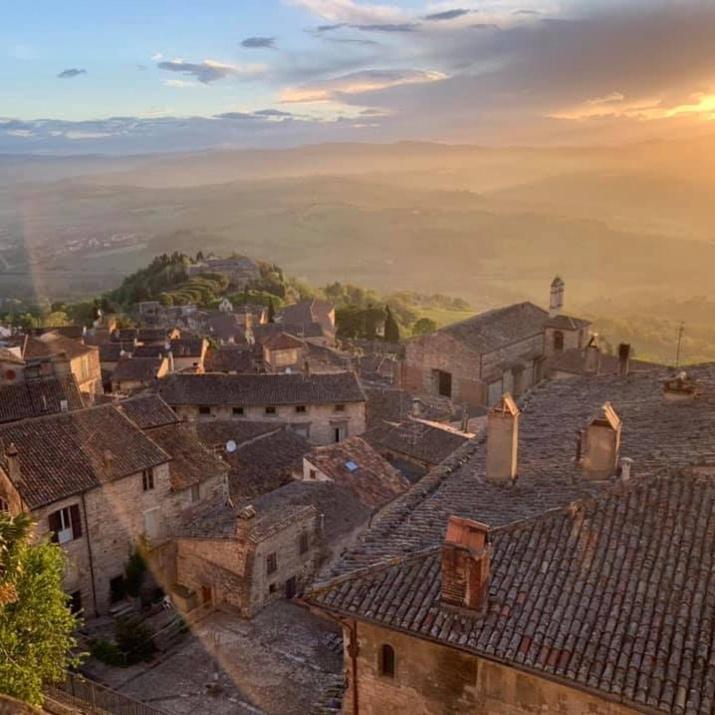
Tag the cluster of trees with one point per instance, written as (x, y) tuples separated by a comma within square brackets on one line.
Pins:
[(36, 624)]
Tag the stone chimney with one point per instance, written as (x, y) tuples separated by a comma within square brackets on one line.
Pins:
[(624, 359), (12, 456), (556, 297), (680, 388), (592, 356), (466, 556), (503, 440), (416, 407), (626, 467), (601, 444)]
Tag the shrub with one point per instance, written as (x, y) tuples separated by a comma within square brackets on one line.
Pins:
[(134, 638)]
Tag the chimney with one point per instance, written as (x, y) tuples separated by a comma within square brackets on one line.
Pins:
[(170, 357), (13, 464), (466, 556), (502, 440), (680, 388), (556, 297), (626, 466), (601, 443), (624, 359), (416, 407), (592, 356)]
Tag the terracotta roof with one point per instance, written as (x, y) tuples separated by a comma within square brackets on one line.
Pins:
[(68, 453), (137, 369), (229, 358), (355, 465), (496, 328), (273, 389), (306, 312), (614, 595), (38, 396), (656, 433), (191, 462), (428, 442), (566, 322), (148, 410), (52, 343)]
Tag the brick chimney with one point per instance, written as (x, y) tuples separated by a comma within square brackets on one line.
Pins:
[(503, 440), (12, 456), (466, 556), (624, 359), (556, 297), (680, 388), (601, 444)]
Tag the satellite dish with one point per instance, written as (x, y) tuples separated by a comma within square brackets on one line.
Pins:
[(231, 446)]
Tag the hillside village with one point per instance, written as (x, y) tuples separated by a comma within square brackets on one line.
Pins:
[(500, 515)]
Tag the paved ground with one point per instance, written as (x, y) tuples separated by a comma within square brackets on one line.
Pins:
[(278, 663)]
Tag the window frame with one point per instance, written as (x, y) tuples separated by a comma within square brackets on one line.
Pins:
[(148, 484), (271, 563), (301, 409), (383, 669), (339, 407), (270, 410), (204, 410), (237, 411), (65, 524)]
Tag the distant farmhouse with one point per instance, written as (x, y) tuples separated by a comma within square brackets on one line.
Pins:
[(240, 270)]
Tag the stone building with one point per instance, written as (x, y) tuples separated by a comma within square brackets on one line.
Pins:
[(324, 408), (247, 557), (240, 270), (12, 366), (603, 606), (136, 373), (283, 353), (93, 482), (476, 361)]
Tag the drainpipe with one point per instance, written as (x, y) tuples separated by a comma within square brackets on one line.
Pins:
[(89, 552), (353, 651)]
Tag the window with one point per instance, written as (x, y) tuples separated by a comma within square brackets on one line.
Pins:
[(65, 524), (270, 410), (271, 563), (313, 474), (117, 589), (238, 411), (558, 341), (4, 506), (303, 543), (443, 383), (272, 588), (387, 661), (340, 432), (204, 410), (195, 493), (340, 408), (147, 479), (300, 409), (151, 523)]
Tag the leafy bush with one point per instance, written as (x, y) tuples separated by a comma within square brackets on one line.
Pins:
[(134, 573), (134, 638), (108, 652)]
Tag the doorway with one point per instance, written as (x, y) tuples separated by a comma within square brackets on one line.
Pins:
[(291, 588), (444, 383)]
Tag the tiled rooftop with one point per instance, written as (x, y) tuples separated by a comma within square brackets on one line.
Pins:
[(38, 396), (656, 434), (616, 594), (148, 410)]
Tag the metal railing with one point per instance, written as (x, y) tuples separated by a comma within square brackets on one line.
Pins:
[(92, 697)]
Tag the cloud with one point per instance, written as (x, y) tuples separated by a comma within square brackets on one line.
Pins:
[(179, 83), (254, 43), (348, 11), (272, 113), (157, 56), (358, 83), (446, 15), (374, 27), (71, 72), (210, 70)]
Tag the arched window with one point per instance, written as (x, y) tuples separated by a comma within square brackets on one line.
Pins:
[(387, 661), (558, 341)]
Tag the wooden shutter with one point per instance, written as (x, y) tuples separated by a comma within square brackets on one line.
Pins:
[(53, 521), (76, 521)]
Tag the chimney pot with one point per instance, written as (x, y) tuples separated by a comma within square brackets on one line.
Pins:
[(503, 440), (466, 557), (624, 359), (601, 444), (13, 464), (626, 466)]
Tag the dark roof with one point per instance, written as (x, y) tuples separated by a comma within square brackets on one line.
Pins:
[(38, 396), (282, 341), (273, 389), (216, 433), (148, 410), (567, 322), (425, 441), (141, 369), (225, 326), (187, 347), (355, 465), (614, 595), (491, 330), (68, 453), (228, 358), (75, 332), (306, 312), (152, 335), (191, 462), (574, 361), (110, 352), (393, 405), (150, 351), (656, 434)]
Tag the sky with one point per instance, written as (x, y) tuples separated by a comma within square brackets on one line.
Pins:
[(137, 76)]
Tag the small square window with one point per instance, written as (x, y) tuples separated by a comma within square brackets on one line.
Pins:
[(148, 479), (238, 411), (271, 563), (270, 410), (340, 408), (300, 409), (204, 410)]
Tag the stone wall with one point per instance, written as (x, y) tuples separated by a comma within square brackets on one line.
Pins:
[(432, 679), (320, 421)]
